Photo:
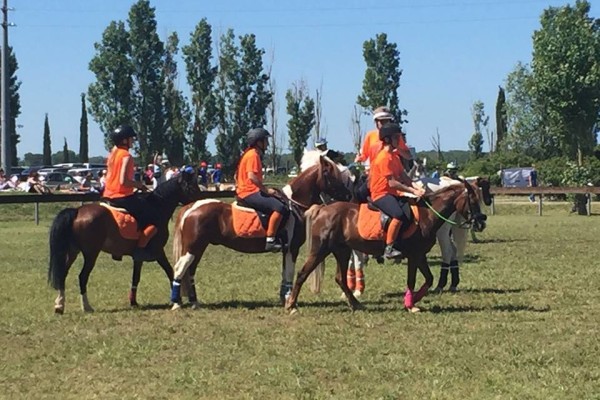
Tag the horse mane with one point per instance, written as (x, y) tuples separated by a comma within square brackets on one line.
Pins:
[(442, 191), (311, 158)]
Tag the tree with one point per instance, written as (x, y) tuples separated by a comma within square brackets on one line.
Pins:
[(177, 114), (276, 142), (201, 76), (147, 53), (110, 96), (83, 132), (301, 109), (501, 124), (480, 122), (14, 105), (319, 131), (566, 73), (65, 158), (242, 95), (382, 76), (355, 128), (47, 159), (436, 142)]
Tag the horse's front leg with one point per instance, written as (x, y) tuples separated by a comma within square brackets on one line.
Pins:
[(411, 278), (314, 258), (89, 260), (135, 281), (288, 269)]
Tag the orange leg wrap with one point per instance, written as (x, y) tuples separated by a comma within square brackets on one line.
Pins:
[(360, 280), (274, 221), (147, 234), (351, 279), (392, 232)]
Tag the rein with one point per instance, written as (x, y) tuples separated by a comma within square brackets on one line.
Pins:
[(464, 225)]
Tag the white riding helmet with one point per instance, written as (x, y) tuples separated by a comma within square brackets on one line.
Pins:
[(452, 165), (321, 142), (382, 113)]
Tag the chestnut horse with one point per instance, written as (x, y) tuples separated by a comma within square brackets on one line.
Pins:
[(334, 229), (91, 229), (210, 222)]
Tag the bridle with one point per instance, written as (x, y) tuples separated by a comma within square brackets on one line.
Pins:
[(475, 218)]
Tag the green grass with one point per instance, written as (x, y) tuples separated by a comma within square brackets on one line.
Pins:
[(524, 326)]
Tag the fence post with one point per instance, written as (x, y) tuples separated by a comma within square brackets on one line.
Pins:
[(493, 206), (589, 204), (36, 213), (540, 206)]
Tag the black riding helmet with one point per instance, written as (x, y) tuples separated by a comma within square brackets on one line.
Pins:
[(122, 132), (389, 130), (256, 134)]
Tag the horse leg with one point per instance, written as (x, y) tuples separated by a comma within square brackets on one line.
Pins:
[(163, 261), (342, 256), (448, 250), (89, 260), (454, 271), (191, 290), (135, 280), (424, 268), (287, 275), (313, 259), (359, 269), (59, 303), (184, 262), (411, 277)]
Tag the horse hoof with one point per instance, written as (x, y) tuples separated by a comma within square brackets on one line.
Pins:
[(195, 305), (437, 290), (134, 304), (413, 310), (358, 293), (59, 310), (176, 306), (293, 311), (343, 296), (88, 310), (453, 289)]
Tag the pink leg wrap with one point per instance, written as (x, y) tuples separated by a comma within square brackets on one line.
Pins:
[(421, 293), (408, 299)]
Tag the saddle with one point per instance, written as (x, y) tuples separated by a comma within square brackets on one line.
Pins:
[(127, 224), (373, 223), (251, 223)]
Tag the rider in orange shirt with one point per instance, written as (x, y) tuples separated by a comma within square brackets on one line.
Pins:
[(372, 145), (120, 186), (250, 188), (387, 178)]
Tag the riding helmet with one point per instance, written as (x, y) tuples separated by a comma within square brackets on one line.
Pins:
[(256, 134), (122, 132), (389, 130)]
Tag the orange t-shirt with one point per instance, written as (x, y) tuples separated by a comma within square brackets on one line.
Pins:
[(372, 146), (384, 165), (114, 189), (250, 162)]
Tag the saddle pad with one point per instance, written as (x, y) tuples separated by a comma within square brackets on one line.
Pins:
[(127, 225), (369, 223), (246, 222)]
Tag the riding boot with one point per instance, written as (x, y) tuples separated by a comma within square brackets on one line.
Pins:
[(443, 277), (272, 228), (455, 276), (391, 250)]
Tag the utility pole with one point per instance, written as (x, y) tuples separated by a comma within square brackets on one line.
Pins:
[(4, 97)]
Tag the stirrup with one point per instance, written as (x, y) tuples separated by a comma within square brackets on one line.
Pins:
[(273, 246)]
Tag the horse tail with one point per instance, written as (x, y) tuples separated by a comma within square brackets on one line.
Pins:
[(61, 235), (316, 277)]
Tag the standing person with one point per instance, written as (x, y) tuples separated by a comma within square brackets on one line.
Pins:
[(120, 187), (251, 190), (387, 178), (532, 182), (217, 176), (157, 170), (451, 171), (203, 174)]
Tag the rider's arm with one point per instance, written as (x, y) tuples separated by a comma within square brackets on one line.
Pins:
[(254, 178), (395, 184), (124, 180)]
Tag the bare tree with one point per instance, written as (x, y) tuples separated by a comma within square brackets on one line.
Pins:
[(319, 131), (356, 128), (437, 145), (276, 142)]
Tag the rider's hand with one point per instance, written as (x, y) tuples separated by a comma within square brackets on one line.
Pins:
[(271, 191), (419, 192)]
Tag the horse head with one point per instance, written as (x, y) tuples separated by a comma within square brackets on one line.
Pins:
[(188, 183), (484, 185), (468, 205), (334, 180)]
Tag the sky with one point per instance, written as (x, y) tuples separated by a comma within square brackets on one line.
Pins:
[(452, 53)]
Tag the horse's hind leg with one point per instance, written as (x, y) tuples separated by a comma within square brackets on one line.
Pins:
[(89, 260), (342, 256), (181, 266), (314, 259), (59, 303), (411, 278), (135, 281), (424, 268)]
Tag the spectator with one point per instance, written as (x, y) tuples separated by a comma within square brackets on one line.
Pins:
[(101, 181), (171, 172), (5, 183), (217, 176), (532, 182), (86, 184), (33, 184), (203, 174)]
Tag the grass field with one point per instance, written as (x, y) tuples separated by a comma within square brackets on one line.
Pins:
[(524, 326)]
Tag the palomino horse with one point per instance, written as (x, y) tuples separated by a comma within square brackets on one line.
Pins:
[(334, 229), (452, 236), (211, 222), (91, 229)]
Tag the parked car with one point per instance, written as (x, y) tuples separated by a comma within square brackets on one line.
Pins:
[(60, 181)]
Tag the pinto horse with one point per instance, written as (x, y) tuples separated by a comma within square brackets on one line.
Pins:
[(211, 222), (91, 229), (334, 229)]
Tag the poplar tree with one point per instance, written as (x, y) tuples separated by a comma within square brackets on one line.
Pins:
[(83, 132), (301, 109), (47, 154)]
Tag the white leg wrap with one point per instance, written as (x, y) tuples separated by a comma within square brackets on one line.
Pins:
[(182, 264)]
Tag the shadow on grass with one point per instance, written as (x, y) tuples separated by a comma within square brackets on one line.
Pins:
[(474, 290), (436, 261), (498, 308)]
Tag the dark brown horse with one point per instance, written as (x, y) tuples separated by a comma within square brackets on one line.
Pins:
[(333, 229), (91, 229), (210, 222)]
